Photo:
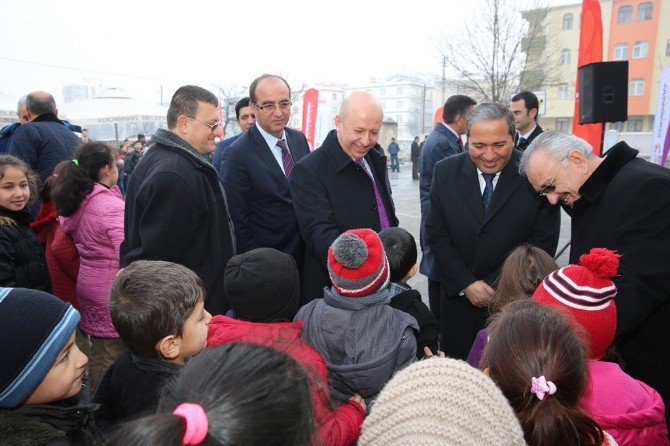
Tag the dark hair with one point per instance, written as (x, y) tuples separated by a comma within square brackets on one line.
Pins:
[(244, 102), (456, 105), (520, 274), (186, 101), (492, 111), (527, 340), (254, 84), (529, 99), (151, 299), (11, 160), (45, 191), (76, 181), (400, 248), (40, 102), (252, 395)]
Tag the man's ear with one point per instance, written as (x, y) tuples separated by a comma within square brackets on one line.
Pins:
[(577, 158), (533, 113), (338, 122), (182, 124), (169, 347)]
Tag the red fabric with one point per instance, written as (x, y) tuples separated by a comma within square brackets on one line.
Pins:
[(590, 50), (365, 278), (61, 254), (309, 110), (339, 426)]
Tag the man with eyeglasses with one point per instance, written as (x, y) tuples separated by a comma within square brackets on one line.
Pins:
[(255, 172), (342, 185), (480, 210), (620, 202), (176, 209)]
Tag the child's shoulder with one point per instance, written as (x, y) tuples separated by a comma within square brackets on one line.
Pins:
[(22, 428)]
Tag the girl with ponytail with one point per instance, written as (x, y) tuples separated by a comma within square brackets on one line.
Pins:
[(540, 365), (91, 209), (229, 395)]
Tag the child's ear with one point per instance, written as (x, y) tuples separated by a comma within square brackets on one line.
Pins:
[(411, 272), (168, 347)]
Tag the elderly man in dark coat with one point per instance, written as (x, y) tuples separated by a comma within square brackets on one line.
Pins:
[(340, 186), (619, 202)]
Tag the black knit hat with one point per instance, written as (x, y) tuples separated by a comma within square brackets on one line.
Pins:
[(34, 328), (263, 285)]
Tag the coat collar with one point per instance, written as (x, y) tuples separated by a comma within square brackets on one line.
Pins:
[(618, 156), (47, 117)]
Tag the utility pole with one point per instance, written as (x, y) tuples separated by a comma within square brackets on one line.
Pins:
[(444, 77)]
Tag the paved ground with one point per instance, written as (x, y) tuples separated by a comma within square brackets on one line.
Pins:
[(406, 198)]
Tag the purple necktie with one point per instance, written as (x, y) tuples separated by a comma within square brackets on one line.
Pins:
[(286, 158), (381, 209)]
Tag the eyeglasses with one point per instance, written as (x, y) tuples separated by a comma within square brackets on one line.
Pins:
[(212, 127), (283, 106), (551, 187)]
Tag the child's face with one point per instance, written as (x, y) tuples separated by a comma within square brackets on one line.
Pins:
[(64, 378), (14, 190), (194, 336)]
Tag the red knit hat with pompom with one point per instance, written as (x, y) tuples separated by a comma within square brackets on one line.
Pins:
[(586, 291)]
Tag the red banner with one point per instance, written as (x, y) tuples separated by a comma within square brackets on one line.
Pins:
[(590, 50), (438, 116), (309, 108)]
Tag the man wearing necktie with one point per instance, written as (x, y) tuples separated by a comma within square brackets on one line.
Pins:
[(524, 107), (340, 186), (480, 210), (256, 168)]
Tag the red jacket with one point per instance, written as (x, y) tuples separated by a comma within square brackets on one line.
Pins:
[(338, 426), (61, 254)]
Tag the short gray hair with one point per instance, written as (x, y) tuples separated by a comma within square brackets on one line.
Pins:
[(491, 111), (21, 104), (557, 144)]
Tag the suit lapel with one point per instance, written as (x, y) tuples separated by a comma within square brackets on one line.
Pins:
[(265, 153), (471, 193), (508, 182)]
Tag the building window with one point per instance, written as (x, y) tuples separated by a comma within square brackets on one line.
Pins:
[(563, 91), (625, 14), (382, 92), (634, 124), (400, 119), (565, 56), (667, 48), (567, 21), (645, 11), (641, 50), (636, 87), (398, 105), (618, 126), (621, 51), (563, 124), (398, 90)]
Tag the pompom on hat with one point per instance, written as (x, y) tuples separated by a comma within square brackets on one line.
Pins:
[(586, 292), (357, 263)]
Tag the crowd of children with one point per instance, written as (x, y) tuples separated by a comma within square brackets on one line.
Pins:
[(361, 364)]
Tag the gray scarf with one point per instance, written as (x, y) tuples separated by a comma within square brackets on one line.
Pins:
[(168, 138)]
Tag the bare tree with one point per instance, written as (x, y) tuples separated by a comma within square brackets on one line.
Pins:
[(229, 95), (488, 57)]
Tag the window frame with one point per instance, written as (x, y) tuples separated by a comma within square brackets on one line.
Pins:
[(628, 11)]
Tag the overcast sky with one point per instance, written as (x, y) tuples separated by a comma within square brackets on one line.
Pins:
[(140, 45)]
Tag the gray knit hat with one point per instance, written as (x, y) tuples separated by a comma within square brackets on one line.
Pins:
[(441, 401)]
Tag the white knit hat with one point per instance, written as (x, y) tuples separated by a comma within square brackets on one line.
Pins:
[(441, 401)]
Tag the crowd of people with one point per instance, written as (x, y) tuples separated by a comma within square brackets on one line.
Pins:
[(200, 290)]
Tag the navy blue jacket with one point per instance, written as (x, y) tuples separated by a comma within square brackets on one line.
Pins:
[(259, 198), (218, 151), (441, 143), (6, 134)]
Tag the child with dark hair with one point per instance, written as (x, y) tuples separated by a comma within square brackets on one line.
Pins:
[(235, 394), (362, 339), (400, 248), (61, 254), (540, 365), (22, 262), (158, 309), (42, 372), (631, 411), (521, 272), (91, 210), (263, 288)]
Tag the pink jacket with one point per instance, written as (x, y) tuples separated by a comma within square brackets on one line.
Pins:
[(628, 409), (97, 231)]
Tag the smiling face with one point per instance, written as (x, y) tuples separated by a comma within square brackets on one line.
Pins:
[(14, 189), (558, 180), (358, 124), (65, 377), (491, 145)]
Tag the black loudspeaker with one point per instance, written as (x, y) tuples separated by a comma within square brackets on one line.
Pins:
[(603, 92)]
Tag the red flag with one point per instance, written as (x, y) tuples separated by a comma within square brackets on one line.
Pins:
[(590, 50), (438, 115), (309, 108)]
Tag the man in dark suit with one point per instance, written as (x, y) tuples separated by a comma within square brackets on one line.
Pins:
[(524, 107), (442, 142), (255, 170), (416, 151), (245, 119), (480, 210), (342, 185)]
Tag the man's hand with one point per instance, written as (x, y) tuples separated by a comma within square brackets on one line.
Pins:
[(358, 399), (479, 293)]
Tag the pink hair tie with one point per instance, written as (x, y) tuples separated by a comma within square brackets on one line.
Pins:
[(540, 387), (197, 424)]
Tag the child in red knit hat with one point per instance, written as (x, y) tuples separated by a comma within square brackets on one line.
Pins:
[(628, 409)]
